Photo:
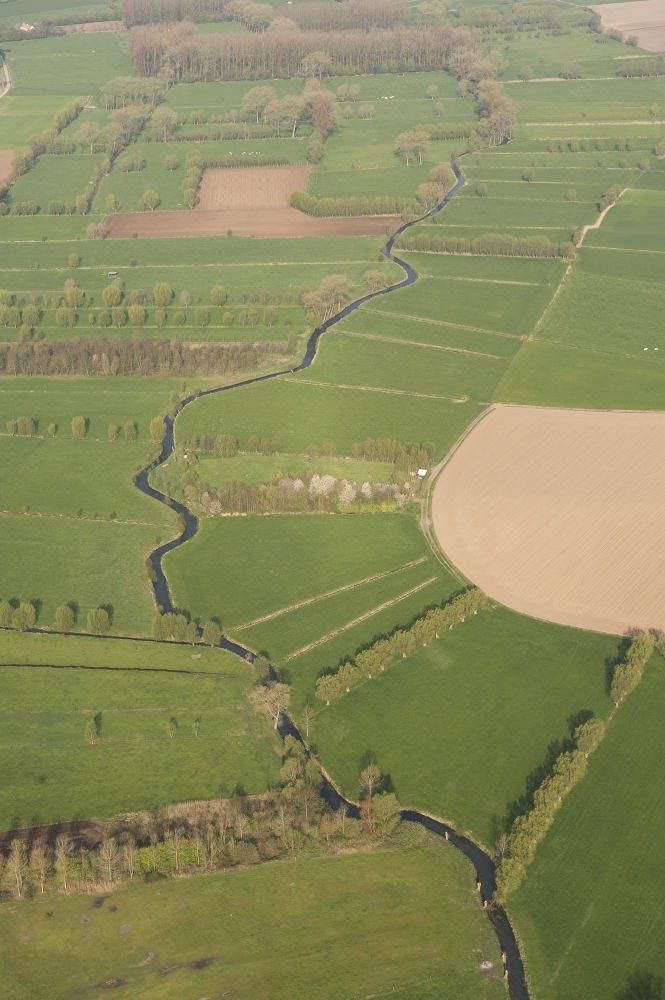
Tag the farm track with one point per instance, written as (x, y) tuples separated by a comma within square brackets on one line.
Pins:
[(484, 865)]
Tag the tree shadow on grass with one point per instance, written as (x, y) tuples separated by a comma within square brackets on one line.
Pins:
[(642, 986)]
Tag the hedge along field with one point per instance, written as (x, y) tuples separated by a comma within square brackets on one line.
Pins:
[(449, 746), (399, 919), (604, 851), (299, 413), (544, 374), (56, 773), (282, 559), (67, 546)]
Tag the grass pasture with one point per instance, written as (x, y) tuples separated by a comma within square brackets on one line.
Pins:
[(461, 724), (55, 774), (396, 919), (74, 528), (604, 848), (287, 559)]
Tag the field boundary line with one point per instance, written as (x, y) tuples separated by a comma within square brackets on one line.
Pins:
[(74, 517), (443, 322), (374, 388), (425, 522), (361, 618), (419, 343), (597, 246), (555, 296), (330, 593)]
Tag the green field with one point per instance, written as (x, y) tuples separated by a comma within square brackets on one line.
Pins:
[(460, 725), (53, 773), (287, 558), (396, 920), (465, 727), (604, 850)]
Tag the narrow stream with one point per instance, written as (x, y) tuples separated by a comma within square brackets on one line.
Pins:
[(483, 864)]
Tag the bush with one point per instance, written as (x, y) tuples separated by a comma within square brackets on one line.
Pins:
[(98, 621)]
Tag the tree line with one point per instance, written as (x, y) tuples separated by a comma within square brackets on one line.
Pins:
[(363, 15), (192, 837), (185, 54), (398, 645), (23, 616), (326, 206), (404, 455), (133, 356), (295, 494), (79, 426), (648, 66), (518, 847), (487, 245)]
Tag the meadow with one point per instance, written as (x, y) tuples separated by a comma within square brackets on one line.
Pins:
[(132, 692), (396, 919), (461, 724), (283, 559), (74, 526), (604, 848)]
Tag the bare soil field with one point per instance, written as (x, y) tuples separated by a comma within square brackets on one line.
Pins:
[(645, 19), (6, 171), (559, 514), (251, 187), (244, 222), (88, 27), (247, 201)]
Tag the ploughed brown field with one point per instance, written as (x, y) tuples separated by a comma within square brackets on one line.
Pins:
[(6, 165), (246, 201), (560, 514), (645, 19)]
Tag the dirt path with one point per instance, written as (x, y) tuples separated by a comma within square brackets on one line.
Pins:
[(359, 619), (374, 388), (329, 593), (597, 224), (419, 343)]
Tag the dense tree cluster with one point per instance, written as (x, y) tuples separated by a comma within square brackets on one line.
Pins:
[(402, 454), (510, 17), (185, 54), (399, 644), (133, 356), (325, 207), (322, 493), (488, 244), (645, 66), (197, 836), (365, 15), (147, 11)]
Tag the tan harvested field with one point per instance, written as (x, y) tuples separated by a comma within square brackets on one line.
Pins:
[(645, 19), (247, 201), (251, 187), (559, 514), (88, 27), (6, 165), (245, 222)]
